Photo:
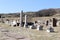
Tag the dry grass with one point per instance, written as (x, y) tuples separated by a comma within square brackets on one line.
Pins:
[(33, 34)]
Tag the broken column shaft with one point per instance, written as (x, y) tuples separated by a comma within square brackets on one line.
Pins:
[(25, 21), (21, 19)]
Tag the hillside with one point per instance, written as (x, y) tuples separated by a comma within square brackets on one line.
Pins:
[(40, 13)]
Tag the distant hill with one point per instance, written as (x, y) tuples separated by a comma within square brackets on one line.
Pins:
[(40, 13), (44, 12)]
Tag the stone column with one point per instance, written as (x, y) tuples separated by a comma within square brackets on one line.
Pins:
[(25, 21), (21, 19)]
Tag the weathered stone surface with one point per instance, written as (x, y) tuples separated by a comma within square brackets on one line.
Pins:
[(50, 29)]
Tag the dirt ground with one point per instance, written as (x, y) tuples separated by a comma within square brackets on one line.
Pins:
[(20, 33)]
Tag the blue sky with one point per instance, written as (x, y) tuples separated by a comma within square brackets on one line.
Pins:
[(10, 6)]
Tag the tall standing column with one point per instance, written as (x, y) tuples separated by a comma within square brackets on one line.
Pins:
[(21, 19), (25, 21)]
